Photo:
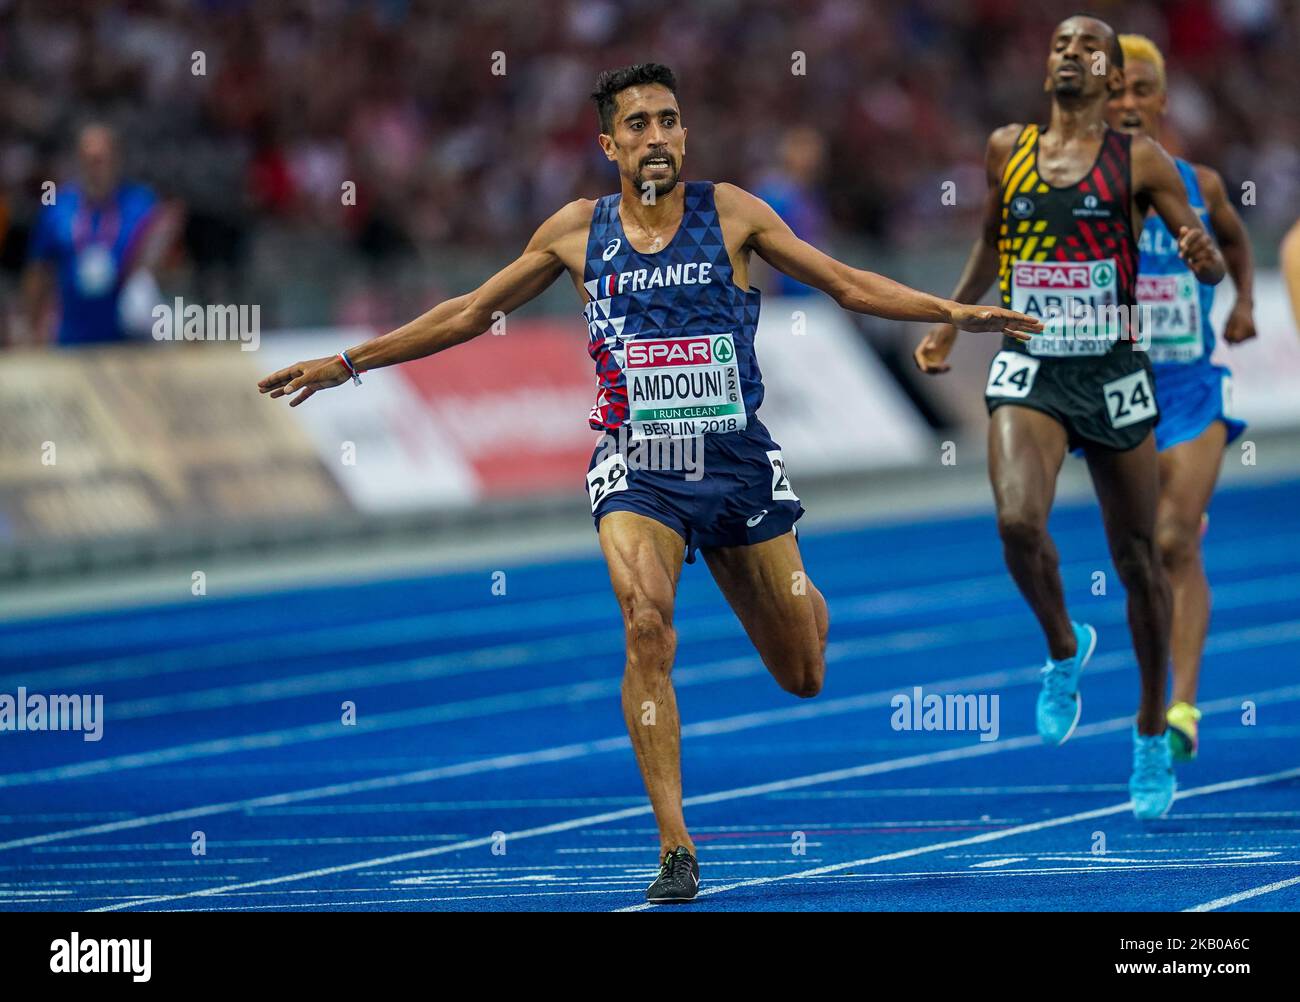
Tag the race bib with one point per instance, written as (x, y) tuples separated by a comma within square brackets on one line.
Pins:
[(781, 489), (1078, 302), (1170, 317), (683, 386), (1011, 375), (606, 478), (1129, 399)]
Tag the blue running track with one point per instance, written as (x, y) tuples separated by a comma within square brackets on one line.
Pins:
[(488, 769)]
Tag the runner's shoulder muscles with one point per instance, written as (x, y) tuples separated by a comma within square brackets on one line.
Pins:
[(565, 231), (740, 210), (997, 154), (1154, 172), (1001, 142)]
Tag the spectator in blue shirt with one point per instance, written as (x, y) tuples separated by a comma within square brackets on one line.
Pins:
[(88, 242), (792, 191)]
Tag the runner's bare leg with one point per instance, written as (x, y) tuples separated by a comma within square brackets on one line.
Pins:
[(1128, 488), (1026, 450), (781, 610), (645, 563), (1188, 473)]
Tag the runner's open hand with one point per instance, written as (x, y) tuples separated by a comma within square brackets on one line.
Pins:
[(994, 319), (316, 374)]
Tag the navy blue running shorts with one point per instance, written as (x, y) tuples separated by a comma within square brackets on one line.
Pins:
[(713, 490)]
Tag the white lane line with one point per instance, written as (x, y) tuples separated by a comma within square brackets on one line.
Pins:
[(259, 843), (797, 712), (956, 791), (965, 592), (780, 847), (440, 624), (1231, 703), (1254, 892), (860, 648), (370, 723), (640, 879), (556, 754), (514, 656), (1100, 812), (740, 667), (389, 901), (1256, 636)]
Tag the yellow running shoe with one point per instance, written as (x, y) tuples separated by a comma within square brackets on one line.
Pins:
[(1182, 718)]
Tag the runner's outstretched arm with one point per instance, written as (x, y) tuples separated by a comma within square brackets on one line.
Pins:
[(854, 289), (1156, 176), (450, 323)]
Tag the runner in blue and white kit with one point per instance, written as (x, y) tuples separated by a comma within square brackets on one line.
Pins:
[(662, 268), (1194, 394)]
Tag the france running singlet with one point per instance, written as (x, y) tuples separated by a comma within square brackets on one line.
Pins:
[(1179, 305), (671, 334), (1068, 255)]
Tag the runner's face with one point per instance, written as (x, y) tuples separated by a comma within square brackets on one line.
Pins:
[(1137, 109), (1079, 63), (649, 141)]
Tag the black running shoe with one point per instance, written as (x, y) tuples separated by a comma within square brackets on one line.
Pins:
[(678, 880)]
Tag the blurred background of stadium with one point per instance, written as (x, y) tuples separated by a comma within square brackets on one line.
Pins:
[(127, 456)]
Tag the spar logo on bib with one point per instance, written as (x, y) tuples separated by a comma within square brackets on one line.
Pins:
[(1164, 288), (1076, 300), (1060, 278), (682, 351), (1040, 277)]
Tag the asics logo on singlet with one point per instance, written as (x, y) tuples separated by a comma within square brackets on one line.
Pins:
[(612, 249), (641, 279)]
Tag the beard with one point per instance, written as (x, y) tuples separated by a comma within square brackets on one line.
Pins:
[(662, 186), (1069, 87)]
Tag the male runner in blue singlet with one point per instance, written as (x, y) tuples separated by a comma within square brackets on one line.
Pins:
[(662, 268), (1194, 395)]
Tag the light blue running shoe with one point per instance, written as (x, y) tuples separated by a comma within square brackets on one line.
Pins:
[(1152, 784), (1059, 705)]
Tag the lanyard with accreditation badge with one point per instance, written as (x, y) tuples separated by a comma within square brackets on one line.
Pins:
[(94, 233)]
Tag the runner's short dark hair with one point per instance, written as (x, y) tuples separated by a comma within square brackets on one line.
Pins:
[(611, 82), (1116, 50)]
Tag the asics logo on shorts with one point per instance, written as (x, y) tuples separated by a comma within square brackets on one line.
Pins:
[(755, 519)]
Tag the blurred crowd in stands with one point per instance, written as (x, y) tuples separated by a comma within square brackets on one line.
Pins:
[(464, 124)]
